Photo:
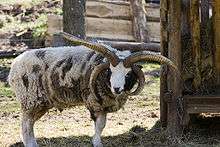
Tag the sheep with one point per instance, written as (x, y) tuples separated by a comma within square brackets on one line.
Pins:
[(91, 74)]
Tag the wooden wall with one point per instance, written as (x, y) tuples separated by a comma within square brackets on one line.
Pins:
[(112, 20)]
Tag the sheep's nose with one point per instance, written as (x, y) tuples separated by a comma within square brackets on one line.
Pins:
[(117, 90)]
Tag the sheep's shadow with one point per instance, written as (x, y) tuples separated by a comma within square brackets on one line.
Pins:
[(136, 136), (204, 131)]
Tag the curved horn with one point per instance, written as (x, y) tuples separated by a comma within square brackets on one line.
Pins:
[(149, 56), (112, 57), (97, 70), (141, 80)]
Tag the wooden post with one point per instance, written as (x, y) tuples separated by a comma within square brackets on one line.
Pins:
[(205, 38), (216, 6), (174, 53), (74, 17), (196, 49), (139, 21), (164, 51), (186, 45)]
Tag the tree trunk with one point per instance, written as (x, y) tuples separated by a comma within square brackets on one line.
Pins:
[(74, 17)]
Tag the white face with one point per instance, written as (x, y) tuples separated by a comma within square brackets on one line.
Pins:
[(117, 78)]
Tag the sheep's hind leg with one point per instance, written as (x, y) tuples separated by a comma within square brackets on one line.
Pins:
[(100, 121), (28, 121)]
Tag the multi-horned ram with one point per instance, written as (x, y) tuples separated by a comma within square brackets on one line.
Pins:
[(95, 75)]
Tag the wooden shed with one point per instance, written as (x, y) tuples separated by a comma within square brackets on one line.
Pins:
[(190, 36)]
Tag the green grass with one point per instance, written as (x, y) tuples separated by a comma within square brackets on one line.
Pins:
[(5, 90)]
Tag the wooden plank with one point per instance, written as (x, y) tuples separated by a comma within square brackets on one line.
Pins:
[(195, 109), (107, 10), (216, 6), (109, 28), (117, 2), (175, 54), (196, 49), (112, 29), (139, 21), (133, 46), (186, 54), (118, 29), (164, 51), (203, 104)]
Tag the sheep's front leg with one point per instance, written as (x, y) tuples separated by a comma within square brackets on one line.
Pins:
[(100, 121), (28, 132)]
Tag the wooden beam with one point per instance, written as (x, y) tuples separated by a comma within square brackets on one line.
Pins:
[(133, 46), (196, 49), (186, 44), (139, 21), (174, 81), (216, 18), (109, 28), (164, 52), (107, 10), (10, 54), (202, 104)]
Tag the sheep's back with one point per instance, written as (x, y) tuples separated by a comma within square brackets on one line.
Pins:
[(56, 76)]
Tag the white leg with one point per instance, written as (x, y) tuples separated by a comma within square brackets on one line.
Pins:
[(99, 126), (28, 132)]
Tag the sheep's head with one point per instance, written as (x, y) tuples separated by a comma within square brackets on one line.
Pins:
[(124, 71)]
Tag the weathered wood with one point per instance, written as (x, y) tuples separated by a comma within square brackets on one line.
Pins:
[(107, 10), (133, 46), (109, 28), (164, 51), (152, 12), (196, 49), (10, 54), (74, 17), (216, 18), (139, 21), (117, 2), (186, 54), (202, 104), (54, 24), (205, 38), (174, 53)]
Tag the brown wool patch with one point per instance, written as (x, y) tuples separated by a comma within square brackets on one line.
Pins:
[(40, 54), (68, 65), (55, 80), (59, 63), (25, 80), (89, 55), (36, 68)]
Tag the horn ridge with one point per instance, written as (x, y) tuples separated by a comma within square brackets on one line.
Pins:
[(147, 56), (94, 75)]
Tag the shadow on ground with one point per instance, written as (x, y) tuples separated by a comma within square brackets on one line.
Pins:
[(136, 136), (4, 71), (205, 133)]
